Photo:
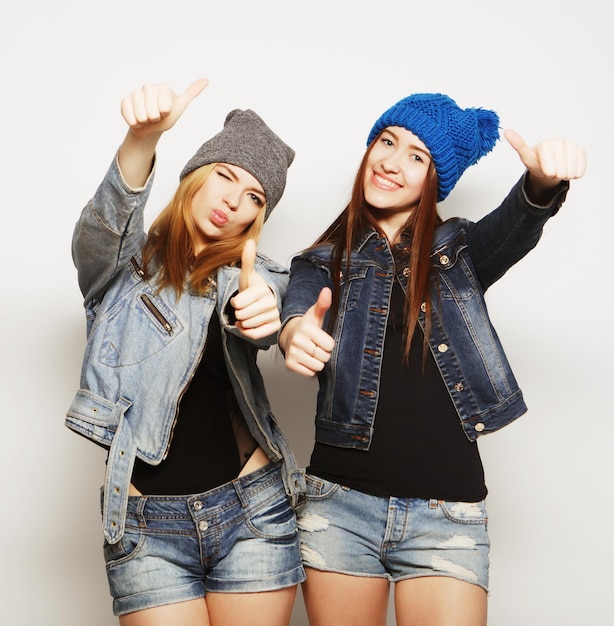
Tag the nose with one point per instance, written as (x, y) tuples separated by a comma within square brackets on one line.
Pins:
[(390, 163), (232, 199)]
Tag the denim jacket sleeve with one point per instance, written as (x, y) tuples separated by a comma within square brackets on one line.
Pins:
[(307, 279), (501, 238), (109, 231)]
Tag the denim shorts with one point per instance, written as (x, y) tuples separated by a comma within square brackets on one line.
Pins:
[(346, 531), (237, 538)]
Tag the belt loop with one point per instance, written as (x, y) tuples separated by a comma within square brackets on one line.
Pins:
[(140, 511), (297, 490), (243, 499)]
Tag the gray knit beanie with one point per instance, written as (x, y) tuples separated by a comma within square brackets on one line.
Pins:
[(246, 141)]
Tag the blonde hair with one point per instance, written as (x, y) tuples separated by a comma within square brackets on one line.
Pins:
[(169, 247)]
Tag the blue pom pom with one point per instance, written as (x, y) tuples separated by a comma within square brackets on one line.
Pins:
[(488, 125)]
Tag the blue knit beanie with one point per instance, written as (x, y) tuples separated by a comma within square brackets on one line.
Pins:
[(455, 137)]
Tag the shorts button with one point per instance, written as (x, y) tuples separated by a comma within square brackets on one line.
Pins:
[(198, 505), (203, 525), (479, 427)]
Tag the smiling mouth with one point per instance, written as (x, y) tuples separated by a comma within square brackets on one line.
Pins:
[(384, 183), (218, 217)]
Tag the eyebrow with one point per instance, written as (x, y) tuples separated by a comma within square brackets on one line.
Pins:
[(229, 168), (413, 146)]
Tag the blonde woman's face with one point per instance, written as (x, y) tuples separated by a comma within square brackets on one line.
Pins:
[(226, 204)]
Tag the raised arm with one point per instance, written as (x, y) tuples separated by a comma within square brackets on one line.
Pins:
[(504, 236), (149, 112), (110, 228)]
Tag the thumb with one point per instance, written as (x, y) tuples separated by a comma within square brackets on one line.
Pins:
[(183, 100), (525, 152), (194, 90), (318, 311), (248, 260)]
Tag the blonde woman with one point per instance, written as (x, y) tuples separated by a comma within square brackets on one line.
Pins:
[(197, 501)]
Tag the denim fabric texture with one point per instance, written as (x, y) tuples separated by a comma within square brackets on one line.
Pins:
[(238, 538), (144, 344), (467, 258), (349, 532)]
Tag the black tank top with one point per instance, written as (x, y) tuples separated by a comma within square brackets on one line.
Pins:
[(419, 449)]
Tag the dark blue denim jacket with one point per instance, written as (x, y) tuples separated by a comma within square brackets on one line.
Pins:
[(467, 258)]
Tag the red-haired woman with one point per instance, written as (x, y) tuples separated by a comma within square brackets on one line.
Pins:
[(411, 370)]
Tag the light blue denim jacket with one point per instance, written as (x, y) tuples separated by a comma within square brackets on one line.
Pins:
[(143, 347), (467, 257)]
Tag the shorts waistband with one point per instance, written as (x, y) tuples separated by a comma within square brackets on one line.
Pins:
[(240, 490)]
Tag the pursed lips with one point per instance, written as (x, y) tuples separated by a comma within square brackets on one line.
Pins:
[(219, 218)]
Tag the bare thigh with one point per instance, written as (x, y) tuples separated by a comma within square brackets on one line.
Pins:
[(271, 608), (343, 600), (439, 601), (190, 613)]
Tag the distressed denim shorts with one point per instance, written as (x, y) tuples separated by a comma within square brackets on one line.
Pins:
[(346, 531), (237, 538)]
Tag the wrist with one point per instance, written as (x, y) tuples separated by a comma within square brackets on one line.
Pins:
[(540, 191), (286, 331)]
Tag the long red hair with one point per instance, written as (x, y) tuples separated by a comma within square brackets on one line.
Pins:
[(345, 232)]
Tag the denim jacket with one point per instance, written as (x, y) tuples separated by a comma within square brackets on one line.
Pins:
[(467, 257), (143, 346)]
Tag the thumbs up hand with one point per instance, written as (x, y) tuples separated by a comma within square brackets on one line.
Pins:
[(149, 112), (307, 347), (548, 163), (256, 311), (154, 108)]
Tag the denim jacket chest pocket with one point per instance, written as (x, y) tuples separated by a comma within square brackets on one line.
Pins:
[(137, 327), (140, 322), (457, 279), (351, 284)]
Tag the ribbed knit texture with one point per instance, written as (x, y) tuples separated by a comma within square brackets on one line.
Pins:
[(246, 141), (455, 137)]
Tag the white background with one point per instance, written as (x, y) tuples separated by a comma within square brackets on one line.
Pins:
[(319, 73)]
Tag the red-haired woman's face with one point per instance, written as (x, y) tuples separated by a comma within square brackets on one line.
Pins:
[(226, 204), (395, 174)]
